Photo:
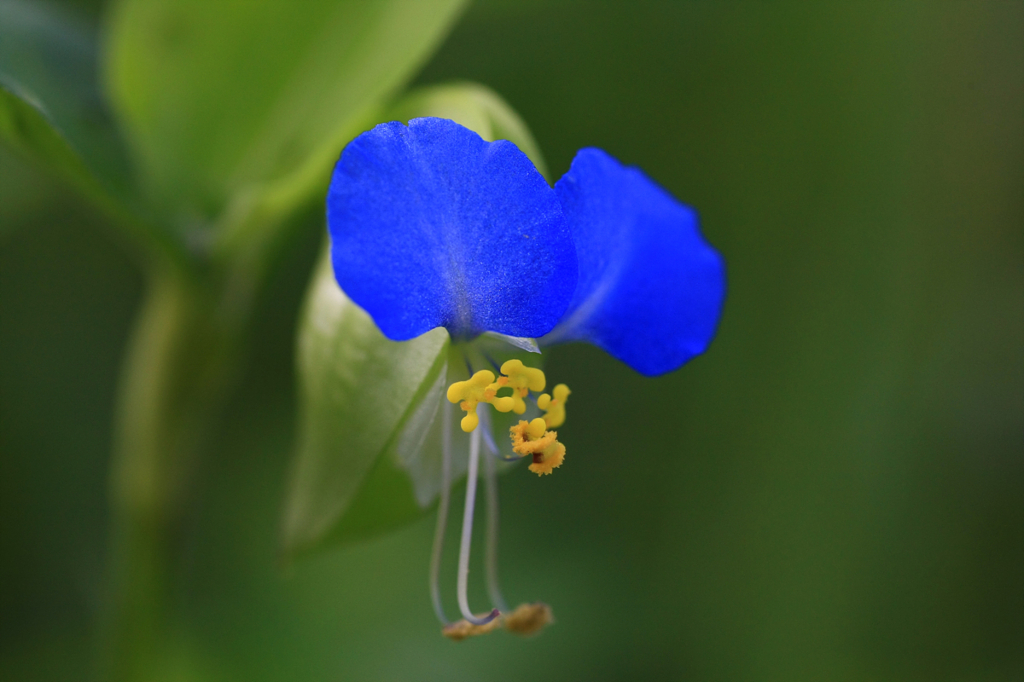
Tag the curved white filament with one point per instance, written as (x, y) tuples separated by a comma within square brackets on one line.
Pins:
[(467, 533)]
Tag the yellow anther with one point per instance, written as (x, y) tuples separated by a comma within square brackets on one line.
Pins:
[(555, 407), (472, 388), (521, 376), (478, 388), (536, 428), (470, 421), (528, 439), (532, 438), (522, 380)]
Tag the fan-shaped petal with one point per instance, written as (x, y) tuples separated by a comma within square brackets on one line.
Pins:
[(432, 226), (650, 287)]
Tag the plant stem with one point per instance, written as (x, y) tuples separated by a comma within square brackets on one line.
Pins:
[(175, 379)]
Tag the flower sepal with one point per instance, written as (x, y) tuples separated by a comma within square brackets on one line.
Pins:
[(359, 392)]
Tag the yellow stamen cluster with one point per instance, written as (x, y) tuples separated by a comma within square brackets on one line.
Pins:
[(482, 387), (525, 620), (528, 438)]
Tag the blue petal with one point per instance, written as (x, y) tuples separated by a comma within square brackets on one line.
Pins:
[(651, 289), (431, 226)]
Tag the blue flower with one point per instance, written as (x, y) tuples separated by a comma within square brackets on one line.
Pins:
[(431, 226)]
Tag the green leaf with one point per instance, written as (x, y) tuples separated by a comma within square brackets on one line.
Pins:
[(50, 105), (219, 97), (356, 390)]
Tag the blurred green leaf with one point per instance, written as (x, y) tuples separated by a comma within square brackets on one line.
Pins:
[(219, 97), (51, 109), (357, 389), (25, 127), (48, 62)]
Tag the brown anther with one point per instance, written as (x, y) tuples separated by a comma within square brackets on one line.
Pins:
[(462, 629), (529, 619)]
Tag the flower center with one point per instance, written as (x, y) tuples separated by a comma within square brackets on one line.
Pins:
[(528, 437)]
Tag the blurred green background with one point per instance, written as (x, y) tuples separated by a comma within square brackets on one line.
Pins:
[(834, 492)]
